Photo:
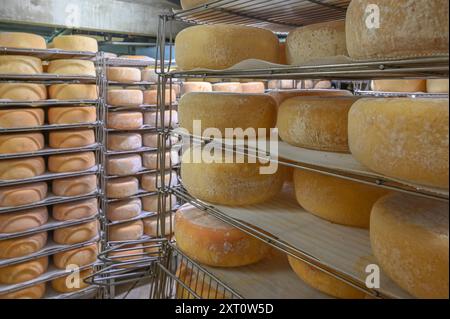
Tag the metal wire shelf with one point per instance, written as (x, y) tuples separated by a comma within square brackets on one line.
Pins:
[(52, 151), (401, 94), (46, 103), (49, 127), (49, 54), (48, 79), (124, 62), (87, 293)]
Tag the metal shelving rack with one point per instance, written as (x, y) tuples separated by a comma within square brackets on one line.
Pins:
[(280, 17), (51, 247)]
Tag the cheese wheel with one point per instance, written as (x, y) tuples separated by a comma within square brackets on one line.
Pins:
[(324, 282), (335, 199), (222, 46), (151, 182), (152, 228), (212, 242), (323, 85), (151, 97), (404, 28), (203, 286), (72, 67), (188, 4), (20, 195), (73, 92), (81, 257), (316, 41), (149, 75), (19, 64), (17, 118), (23, 272), (170, 118), (75, 210), (253, 87), (395, 137), (235, 184), (437, 86), (125, 98), (126, 231), (125, 120), (399, 85), (21, 143), (229, 87), (75, 43), (189, 87), (122, 165), (71, 138), (72, 115), (124, 210), (124, 141), (315, 123), (34, 292), (21, 168), (23, 246), (76, 234), (224, 110), (23, 220), (20, 40), (74, 186), (150, 160), (283, 95), (282, 84), (409, 238), (151, 140), (65, 163), (23, 92), (123, 75), (122, 187), (70, 283), (128, 253), (150, 203)]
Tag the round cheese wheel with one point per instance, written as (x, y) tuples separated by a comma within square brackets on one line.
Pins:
[(75, 43), (150, 160), (236, 184), (124, 141), (228, 87), (324, 282), (128, 253), (151, 97), (23, 92), (315, 123), (66, 284), (283, 95), (123, 210), (123, 75), (149, 75), (321, 40), (203, 286), (170, 118), (395, 137), (150, 203), (23, 246), (152, 228), (210, 241), (13, 196), (21, 168), (150, 182), (323, 85), (409, 238), (188, 4), (399, 85), (23, 220), (74, 186), (222, 46), (34, 292), (396, 28), (335, 199), (23, 272), (189, 87), (122, 187), (253, 87), (224, 110), (122, 165), (151, 140), (73, 92), (282, 84), (76, 234), (71, 138), (72, 115), (81, 257), (125, 120), (65, 163), (125, 98), (21, 143), (72, 67), (19, 64), (20, 40), (75, 210), (126, 231), (17, 118), (437, 86)]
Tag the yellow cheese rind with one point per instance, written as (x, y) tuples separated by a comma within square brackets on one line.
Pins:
[(21, 168), (151, 182), (17, 118), (150, 203), (402, 138), (123, 210), (21, 143), (76, 234), (72, 67), (406, 28), (23, 220), (222, 46), (60, 284), (153, 118), (76, 43), (125, 98), (253, 87), (409, 238), (73, 92), (335, 199), (22, 246), (122, 187), (23, 92), (126, 231), (20, 40), (188, 87), (151, 97), (65, 163), (123, 75), (72, 115), (23, 272), (81, 257), (228, 87), (34, 292), (399, 85), (437, 86), (282, 95), (75, 210), (22, 194), (122, 165), (20, 64), (124, 141), (125, 120), (71, 138), (74, 186)]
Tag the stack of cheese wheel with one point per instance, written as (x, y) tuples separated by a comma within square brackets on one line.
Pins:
[(188, 87), (19, 40)]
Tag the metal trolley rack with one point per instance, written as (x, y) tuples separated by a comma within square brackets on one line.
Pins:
[(51, 247), (318, 242)]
